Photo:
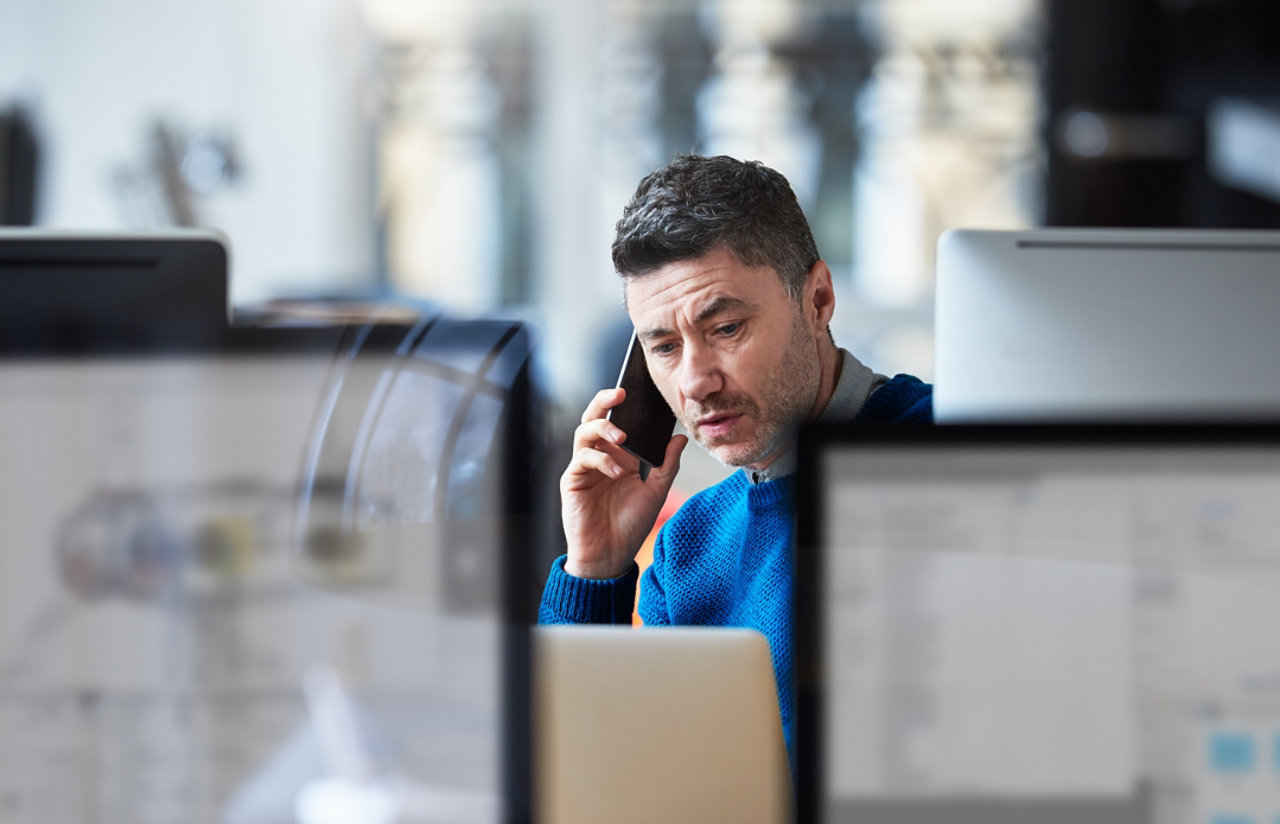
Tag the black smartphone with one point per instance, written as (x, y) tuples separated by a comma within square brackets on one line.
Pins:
[(644, 414)]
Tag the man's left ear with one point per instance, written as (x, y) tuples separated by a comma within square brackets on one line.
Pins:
[(819, 295)]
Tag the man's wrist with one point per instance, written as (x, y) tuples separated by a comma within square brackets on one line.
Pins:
[(567, 599), (595, 572)]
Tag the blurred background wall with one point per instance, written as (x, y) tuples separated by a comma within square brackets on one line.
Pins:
[(237, 115), (477, 154)]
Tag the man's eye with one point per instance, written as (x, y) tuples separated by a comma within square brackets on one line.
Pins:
[(728, 329), (663, 349)]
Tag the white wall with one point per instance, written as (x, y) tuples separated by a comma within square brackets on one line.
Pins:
[(287, 79)]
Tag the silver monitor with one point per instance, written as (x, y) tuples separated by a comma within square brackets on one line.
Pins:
[(1107, 324)]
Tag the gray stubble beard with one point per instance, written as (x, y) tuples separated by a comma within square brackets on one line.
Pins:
[(785, 406)]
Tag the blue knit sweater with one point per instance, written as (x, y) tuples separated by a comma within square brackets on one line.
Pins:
[(724, 559)]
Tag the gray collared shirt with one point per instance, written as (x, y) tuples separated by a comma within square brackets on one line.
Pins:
[(855, 384)]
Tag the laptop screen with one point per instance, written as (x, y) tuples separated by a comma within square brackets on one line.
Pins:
[(1040, 623)]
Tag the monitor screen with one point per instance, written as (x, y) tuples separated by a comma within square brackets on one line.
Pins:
[(1039, 624), (252, 573), (1107, 324)]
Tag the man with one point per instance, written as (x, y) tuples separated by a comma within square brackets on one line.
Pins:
[(726, 290)]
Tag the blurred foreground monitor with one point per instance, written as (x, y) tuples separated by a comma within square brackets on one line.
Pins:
[(1049, 624), (253, 572)]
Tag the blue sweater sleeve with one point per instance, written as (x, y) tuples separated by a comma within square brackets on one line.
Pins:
[(567, 599), (653, 597)]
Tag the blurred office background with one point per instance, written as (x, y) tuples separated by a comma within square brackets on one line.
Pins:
[(473, 156), (478, 153)]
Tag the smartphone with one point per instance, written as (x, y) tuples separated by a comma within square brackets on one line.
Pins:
[(644, 414)]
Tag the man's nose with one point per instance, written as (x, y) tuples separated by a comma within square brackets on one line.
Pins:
[(700, 375)]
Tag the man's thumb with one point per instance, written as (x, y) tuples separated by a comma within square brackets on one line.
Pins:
[(670, 459)]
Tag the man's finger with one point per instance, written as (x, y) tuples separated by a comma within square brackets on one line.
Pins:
[(610, 461), (598, 432), (604, 400)]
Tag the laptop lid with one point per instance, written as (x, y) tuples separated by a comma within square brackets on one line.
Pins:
[(657, 724)]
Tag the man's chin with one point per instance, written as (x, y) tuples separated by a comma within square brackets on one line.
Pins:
[(745, 453), (736, 454), (727, 453)]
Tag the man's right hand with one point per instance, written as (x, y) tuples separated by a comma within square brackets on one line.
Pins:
[(607, 510)]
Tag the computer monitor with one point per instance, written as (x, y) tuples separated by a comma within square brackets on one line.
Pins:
[(1107, 324), (253, 572), (1039, 623)]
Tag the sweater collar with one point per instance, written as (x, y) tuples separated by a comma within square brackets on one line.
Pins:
[(855, 384)]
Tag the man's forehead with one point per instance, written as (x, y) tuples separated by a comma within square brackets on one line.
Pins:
[(698, 288), (702, 309)]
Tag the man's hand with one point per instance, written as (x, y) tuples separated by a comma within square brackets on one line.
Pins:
[(606, 508)]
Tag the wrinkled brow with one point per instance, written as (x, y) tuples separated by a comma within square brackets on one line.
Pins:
[(719, 306)]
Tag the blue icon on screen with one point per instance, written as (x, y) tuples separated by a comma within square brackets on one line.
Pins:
[(1231, 752), (1231, 819)]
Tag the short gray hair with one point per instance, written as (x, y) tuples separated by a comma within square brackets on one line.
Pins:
[(695, 204)]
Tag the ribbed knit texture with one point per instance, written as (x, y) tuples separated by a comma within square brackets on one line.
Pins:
[(904, 399), (724, 559)]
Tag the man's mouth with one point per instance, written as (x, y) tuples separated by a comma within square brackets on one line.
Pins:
[(717, 425)]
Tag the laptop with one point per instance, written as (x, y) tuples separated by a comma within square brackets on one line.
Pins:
[(657, 724)]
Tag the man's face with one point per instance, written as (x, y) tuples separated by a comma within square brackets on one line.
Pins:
[(732, 353)]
